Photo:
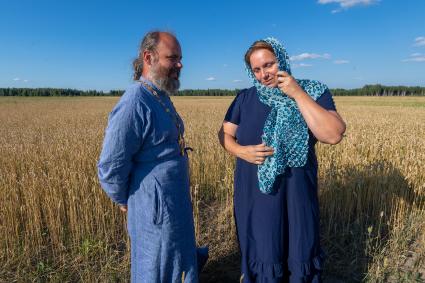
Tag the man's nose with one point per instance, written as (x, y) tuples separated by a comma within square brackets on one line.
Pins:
[(179, 64)]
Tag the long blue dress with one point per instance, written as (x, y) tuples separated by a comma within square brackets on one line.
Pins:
[(141, 165), (278, 234)]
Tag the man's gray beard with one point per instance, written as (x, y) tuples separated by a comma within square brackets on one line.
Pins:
[(169, 85)]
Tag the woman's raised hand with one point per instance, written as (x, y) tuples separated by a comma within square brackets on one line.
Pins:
[(288, 84)]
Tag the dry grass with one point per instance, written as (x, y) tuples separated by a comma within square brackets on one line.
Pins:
[(56, 225)]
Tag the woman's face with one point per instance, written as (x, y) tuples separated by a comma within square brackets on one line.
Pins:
[(264, 65)]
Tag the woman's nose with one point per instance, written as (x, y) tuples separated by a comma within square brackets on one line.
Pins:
[(264, 74)]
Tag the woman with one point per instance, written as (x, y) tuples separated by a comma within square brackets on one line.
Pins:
[(272, 128)]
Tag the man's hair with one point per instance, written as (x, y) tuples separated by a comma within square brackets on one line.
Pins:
[(257, 45), (149, 43)]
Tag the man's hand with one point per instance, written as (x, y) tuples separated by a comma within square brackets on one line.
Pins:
[(288, 84), (123, 208), (255, 154)]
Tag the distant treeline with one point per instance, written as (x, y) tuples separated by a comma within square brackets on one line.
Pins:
[(56, 92), (367, 90), (380, 90), (208, 92)]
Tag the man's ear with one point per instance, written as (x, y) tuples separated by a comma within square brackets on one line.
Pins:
[(147, 57)]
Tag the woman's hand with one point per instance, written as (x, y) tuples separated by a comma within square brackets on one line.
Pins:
[(288, 84), (255, 154)]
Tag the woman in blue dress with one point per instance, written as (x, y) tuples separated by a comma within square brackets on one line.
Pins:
[(272, 128)]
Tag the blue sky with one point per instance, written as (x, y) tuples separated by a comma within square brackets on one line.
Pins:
[(91, 44)]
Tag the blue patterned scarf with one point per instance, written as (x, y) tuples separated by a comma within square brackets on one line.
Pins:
[(284, 129)]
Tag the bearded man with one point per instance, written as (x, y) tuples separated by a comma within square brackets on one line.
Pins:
[(143, 167)]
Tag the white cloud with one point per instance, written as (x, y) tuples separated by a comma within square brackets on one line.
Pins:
[(415, 57), (20, 80), (349, 3), (237, 81), (341, 62), (301, 65), (210, 79), (420, 41), (304, 56)]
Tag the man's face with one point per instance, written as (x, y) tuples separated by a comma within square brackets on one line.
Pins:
[(166, 64), (265, 67)]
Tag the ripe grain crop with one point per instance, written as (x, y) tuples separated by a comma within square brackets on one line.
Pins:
[(57, 225)]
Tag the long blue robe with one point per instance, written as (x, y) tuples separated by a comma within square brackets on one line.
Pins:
[(141, 166)]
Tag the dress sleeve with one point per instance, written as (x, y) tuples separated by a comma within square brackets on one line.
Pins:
[(123, 138), (326, 101), (234, 112)]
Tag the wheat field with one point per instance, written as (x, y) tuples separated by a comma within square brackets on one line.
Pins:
[(57, 225)]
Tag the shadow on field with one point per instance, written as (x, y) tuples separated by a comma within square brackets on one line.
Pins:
[(224, 269), (356, 206), (218, 232)]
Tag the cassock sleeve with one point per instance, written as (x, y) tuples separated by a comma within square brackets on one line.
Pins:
[(123, 139)]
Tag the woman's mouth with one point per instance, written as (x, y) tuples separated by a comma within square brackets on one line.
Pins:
[(269, 81)]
